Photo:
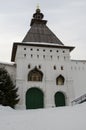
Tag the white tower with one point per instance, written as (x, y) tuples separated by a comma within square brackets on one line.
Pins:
[(42, 67)]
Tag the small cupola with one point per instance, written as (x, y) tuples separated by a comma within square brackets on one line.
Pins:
[(38, 14), (38, 17)]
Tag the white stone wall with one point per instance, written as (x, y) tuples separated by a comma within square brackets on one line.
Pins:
[(47, 58), (78, 70)]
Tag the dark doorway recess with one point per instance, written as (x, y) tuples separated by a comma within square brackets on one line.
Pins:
[(34, 98), (59, 99)]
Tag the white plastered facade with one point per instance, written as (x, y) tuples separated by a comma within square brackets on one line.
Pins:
[(73, 71)]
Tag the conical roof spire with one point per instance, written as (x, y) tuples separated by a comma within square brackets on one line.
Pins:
[(39, 32)]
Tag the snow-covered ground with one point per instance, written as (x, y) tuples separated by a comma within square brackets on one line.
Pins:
[(62, 118)]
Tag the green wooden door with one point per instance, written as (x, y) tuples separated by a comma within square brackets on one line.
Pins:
[(34, 98), (59, 99)]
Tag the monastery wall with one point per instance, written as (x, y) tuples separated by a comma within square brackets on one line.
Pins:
[(78, 71)]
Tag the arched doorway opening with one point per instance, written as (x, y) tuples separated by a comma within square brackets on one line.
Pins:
[(59, 99), (34, 98)]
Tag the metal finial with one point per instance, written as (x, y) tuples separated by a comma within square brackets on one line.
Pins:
[(37, 6)]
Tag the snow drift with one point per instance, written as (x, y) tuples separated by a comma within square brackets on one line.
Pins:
[(62, 118)]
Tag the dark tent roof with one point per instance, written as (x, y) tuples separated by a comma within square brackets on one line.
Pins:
[(39, 32)]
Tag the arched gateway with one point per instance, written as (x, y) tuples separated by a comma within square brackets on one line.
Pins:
[(34, 98), (59, 99)]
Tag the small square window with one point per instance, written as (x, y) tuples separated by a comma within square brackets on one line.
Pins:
[(31, 55), (43, 49), (50, 50), (64, 57), (24, 55), (51, 56), (37, 49), (54, 67), (31, 49), (62, 68), (58, 57), (24, 48), (43, 56), (39, 66), (37, 56), (29, 66)]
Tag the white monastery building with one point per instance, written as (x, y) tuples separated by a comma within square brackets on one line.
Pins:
[(42, 69)]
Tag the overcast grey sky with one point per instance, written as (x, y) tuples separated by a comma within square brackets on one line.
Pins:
[(66, 18)]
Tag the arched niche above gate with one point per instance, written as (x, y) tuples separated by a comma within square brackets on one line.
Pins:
[(35, 75)]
